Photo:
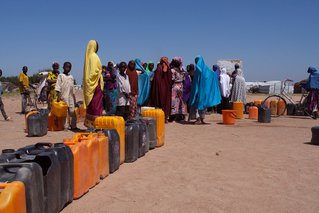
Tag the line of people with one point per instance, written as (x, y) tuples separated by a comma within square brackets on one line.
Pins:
[(121, 89)]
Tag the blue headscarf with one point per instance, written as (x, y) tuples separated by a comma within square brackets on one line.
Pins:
[(144, 84), (313, 80), (205, 88)]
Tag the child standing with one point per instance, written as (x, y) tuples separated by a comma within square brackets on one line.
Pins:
[(123, 92), (65, 92)]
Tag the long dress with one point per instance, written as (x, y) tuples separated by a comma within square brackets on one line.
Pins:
[(178, 105), (92, 84), (110, 92), (161, 90), (205, 88), (51, 88), (144, 84), (239, 88)]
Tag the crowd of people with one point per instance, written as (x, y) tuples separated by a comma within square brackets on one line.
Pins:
[(122, 89)]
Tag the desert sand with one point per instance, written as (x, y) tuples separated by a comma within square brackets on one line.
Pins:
[(247, 167)]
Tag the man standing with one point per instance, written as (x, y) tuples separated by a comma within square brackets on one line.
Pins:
[(24, 88), (1, 103)]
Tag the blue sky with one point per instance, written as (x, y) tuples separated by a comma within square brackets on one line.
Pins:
[(276, 39)]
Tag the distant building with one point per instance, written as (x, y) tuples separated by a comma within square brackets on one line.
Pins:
[(229, 64)]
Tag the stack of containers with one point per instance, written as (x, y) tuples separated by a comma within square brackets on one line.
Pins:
[(45, 177)]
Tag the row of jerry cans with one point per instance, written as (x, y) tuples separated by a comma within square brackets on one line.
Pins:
[(55, 174), (154, 120), (46, 171), (52, 175)]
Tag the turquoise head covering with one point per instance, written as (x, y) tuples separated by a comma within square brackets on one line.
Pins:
[(144, 84), (205, 87), (138, 65)]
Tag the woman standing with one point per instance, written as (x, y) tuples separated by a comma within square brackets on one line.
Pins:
[(239, 86), (92, 84), (161, 88), (51, 80), (133, 78), (225, 88), (178, 108), (144, 85), (205, 90)]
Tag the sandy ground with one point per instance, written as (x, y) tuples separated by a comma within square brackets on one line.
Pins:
[(248, 167)]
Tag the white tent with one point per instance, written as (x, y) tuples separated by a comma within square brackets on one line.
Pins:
[(269, 87)]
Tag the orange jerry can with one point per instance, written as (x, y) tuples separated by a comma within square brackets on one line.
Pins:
[(273, 107), (238, 106), (59, 109), (113, 122), (55, 123), (253, 113), (104, 169), (160, 124), (81, 167), (104, 165), (91, 141), (258, 102), (12, 197), (281, 108)]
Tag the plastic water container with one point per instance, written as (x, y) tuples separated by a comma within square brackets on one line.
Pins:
[(12, 197), (59, 109), (113, 122), (273, 107), (51, 172), (151, 129), (114, 149), (143, 137), (131, 142), (144, 108), (239, 108), (159, 115), (103, 155), (315, 135), (229, 117), (37, 123), (253, 113), (281, 108), (81, 167), (264, 115), (291, 109), (31, 175), (258, 102), (66, 160), (55, 123), (91, 141)]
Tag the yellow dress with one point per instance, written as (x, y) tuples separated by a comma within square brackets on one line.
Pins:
[(92, 84), (52, 92)]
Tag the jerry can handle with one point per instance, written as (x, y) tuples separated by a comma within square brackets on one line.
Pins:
[(43, 145), (7, 151), (3, 185)]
